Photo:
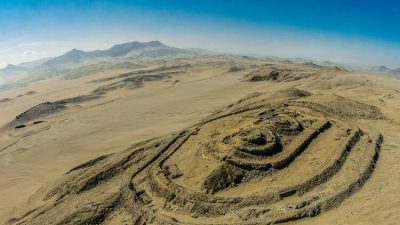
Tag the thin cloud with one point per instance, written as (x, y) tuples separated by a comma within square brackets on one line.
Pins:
[(27, 53)]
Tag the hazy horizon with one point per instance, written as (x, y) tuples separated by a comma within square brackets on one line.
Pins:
[(35, 29)]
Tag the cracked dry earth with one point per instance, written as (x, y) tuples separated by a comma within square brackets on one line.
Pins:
[(259, 161)]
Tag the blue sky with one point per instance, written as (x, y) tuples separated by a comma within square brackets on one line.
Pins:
[(358, 32)]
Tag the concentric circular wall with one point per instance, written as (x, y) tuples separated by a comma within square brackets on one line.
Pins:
[(260, 161)]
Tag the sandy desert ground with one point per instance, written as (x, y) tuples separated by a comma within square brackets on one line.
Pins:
[(203, 140)]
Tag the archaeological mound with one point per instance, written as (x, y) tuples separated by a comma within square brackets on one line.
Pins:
[(259, 161)]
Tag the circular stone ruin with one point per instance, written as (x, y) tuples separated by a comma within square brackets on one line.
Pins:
[(263, 163)]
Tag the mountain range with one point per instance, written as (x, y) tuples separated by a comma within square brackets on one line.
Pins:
[(75, 61), (76, 56), (384, 69)]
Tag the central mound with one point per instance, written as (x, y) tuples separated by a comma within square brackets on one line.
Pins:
[(256, 162)]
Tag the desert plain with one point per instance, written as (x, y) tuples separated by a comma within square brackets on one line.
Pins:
[(202, 139)]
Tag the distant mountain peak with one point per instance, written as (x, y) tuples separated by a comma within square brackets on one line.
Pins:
[(125, 48), (382, 67), (75, 50), (155, 43), (76, 55), (11, 68)]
